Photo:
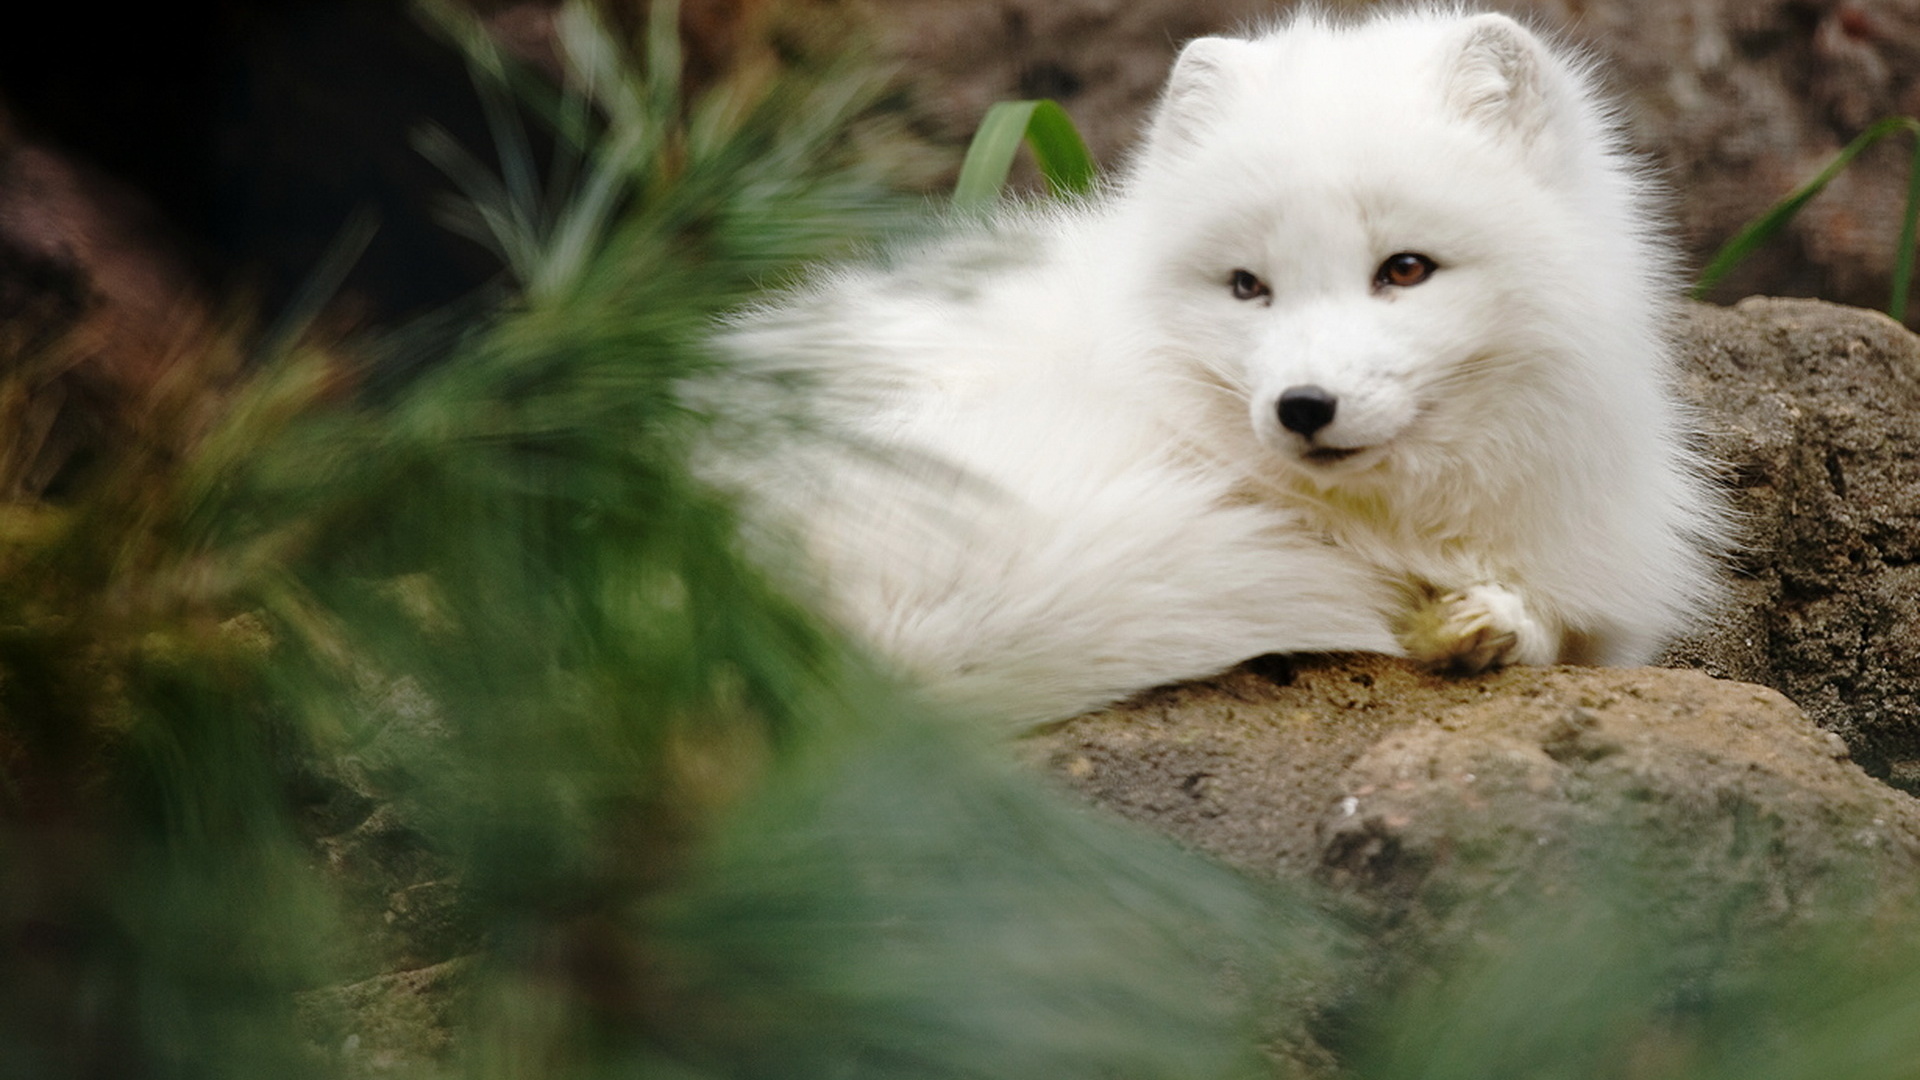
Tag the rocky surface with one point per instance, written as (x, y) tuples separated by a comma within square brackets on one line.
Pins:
[(1105, 60), (1422, 798), (1740, 101), (1815, 410), (365, 820), (397, 1024)]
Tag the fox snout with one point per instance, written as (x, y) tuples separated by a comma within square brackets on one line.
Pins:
[(1304, 410)]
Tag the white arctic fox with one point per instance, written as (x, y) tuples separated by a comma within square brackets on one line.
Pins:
[(1365, 351)]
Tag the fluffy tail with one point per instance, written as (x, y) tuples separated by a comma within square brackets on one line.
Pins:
[(1084, 587)]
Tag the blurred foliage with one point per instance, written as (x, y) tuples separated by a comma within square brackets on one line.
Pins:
[(1603, 979), (456, 589), (691, 833)]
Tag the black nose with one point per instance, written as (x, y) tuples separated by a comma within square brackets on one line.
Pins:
[(1306, 409)]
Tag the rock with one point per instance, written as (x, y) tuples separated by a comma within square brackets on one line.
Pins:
[(1815, 409), (401, 1024), (363, 817), (96, 316), (1742, 101), (1422, 799)]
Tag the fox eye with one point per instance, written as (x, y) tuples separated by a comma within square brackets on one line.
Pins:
[(1406, 269), (1248, 287)]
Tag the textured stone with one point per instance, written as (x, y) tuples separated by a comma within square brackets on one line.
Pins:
[(400, 1024), (1815, 409), (1422, 799)]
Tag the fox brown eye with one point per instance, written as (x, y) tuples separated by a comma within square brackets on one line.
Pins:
[(1248, 287), (1405, 269)]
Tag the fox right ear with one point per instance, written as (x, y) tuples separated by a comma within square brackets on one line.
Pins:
[(1202, 78)]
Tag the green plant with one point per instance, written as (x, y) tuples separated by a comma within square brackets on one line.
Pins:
[(692, 833), (1065, 164), (1763, 228)]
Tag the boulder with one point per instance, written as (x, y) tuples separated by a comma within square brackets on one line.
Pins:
[(1428, 803), (399, 1024), (1814, 409)]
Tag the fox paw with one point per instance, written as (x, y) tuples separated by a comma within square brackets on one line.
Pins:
[(1476, 629)]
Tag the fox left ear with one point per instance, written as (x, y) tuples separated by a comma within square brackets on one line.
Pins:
[(1198, 89), (1498, 76)]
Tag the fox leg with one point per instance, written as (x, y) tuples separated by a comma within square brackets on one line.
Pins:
[(1474, 629)]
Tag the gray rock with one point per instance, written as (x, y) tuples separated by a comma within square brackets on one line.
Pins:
[(1425, 800), (399, 1024), (1815, 409)]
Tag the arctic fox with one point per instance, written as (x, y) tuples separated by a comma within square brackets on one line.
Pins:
[(1366, 350)]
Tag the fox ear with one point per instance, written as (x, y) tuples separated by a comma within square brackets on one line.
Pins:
[(1498, 76), (1202, 78)]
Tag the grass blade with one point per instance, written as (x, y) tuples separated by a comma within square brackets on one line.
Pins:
[(1763, 228), (1061, 153), (1044, 126), (323, 282), (990, 155), (1903, 258)]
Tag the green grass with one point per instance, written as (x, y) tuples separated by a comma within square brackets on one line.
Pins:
[(1046, 129), (1767, 225)]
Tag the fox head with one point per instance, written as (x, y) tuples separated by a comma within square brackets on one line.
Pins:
[(1392, 239)]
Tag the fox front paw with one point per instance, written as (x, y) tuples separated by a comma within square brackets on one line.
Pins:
[(1475, 629)]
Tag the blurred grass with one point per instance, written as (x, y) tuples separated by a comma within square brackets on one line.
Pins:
[(692, 832), (1591, 983)]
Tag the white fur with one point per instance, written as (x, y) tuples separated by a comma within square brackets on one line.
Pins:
[(1049, 470)]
